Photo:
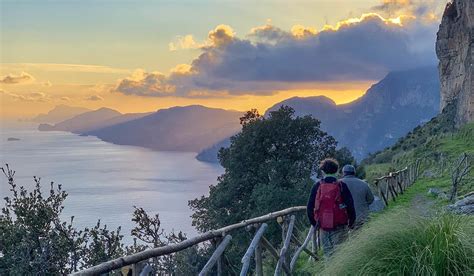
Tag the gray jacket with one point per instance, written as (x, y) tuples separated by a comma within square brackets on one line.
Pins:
[(362, 196)]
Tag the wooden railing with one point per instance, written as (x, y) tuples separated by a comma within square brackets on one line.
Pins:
[(395, 183), (285, 261)]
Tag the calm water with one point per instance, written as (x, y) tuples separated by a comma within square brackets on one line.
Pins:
[(104, 180)]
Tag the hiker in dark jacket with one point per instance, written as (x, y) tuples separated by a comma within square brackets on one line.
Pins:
[(332, 236), (361, 194)]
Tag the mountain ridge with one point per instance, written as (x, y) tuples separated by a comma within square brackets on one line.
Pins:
[(386, 112), (183, 128), (59, 113), (83, 122)]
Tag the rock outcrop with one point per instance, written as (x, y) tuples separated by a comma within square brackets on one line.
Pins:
[(463, 206), (454, 48)]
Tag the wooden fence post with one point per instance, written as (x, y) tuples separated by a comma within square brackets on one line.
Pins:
[(284, 249), (274, 253), (258, 260), (311, 233), (391, 182), (381, 192), (219, 266), (146, 270), (215, 256), (399, 183), (251, 249)]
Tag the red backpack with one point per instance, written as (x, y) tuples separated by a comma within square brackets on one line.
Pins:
[(329, 208)]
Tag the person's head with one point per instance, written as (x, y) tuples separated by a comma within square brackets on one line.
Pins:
[(329, 166), (348, 170)]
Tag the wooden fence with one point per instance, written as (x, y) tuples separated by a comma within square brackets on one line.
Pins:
[(389, 187), (395, 183), (285, 261)]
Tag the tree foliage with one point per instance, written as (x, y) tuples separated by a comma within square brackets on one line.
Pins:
[(35, 241), (267, 167)]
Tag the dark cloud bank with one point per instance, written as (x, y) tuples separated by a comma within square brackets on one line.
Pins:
[(270, 58)]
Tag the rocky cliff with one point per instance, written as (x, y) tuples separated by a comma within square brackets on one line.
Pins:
[(454, 48)]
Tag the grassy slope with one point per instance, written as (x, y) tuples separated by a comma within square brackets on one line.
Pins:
[(438, 154), (437, 144), (403, 222)]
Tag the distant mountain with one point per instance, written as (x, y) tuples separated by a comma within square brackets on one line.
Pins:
[(59, 114), (388, 111), (91, 120), (210, 154), (189, 128)]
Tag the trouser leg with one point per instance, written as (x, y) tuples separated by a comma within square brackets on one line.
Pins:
[(330, 239)]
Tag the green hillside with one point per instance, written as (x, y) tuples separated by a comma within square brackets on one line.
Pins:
[(414, 235), (437, 144)]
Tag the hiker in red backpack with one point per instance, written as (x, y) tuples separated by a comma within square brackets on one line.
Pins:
[(331, 207)]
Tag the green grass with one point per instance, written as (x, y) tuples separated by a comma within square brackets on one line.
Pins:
[(450, 145), (377, 170), (401, 242), (460, 142)]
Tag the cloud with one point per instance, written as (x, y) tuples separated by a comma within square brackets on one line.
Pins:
[(184, 42), (221, 35), (58, 67), (301, 31), (94, 98), (142, 83), (17, 79), (426, 10), (66, 99), (270, 59), (28, 97)]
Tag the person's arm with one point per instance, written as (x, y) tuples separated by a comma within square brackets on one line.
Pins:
[(349, 202), (369, 196), (310, 205)]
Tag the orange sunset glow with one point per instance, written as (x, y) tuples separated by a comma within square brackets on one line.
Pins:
[(202, 71)]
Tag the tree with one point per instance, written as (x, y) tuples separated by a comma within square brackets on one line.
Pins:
[(267, 168), (344, 157)]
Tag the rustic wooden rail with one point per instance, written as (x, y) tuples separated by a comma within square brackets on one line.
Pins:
[(395, 183), (219, 233)]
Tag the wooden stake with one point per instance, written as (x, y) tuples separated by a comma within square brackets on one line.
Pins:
[(215, 256), (251, 249)]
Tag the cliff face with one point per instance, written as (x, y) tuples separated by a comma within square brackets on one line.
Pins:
[(454, 48)]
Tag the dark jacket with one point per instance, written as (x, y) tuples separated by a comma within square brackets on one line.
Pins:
[(346, 195)]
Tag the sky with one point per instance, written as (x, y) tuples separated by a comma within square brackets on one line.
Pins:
[(140, 56)]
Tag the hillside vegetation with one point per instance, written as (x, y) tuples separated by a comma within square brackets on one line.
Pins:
[(415, 235), (437, 143)]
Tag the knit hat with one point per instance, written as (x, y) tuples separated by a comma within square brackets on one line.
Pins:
[(348, 169)]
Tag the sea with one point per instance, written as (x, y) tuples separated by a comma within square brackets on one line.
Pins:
[(105, 181)]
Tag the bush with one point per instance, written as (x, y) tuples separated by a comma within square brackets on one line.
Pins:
[(401, 244)]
